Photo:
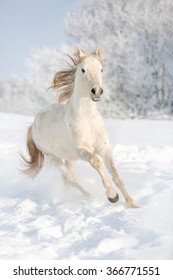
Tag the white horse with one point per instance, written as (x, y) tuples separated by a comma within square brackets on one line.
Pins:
[(75, 130)]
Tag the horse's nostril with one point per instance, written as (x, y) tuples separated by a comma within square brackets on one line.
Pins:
[(101, 91), (93, 91)]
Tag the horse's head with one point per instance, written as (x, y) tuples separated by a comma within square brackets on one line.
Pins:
[(90, 72)]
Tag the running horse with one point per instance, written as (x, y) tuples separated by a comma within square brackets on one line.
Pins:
[(74, 129)]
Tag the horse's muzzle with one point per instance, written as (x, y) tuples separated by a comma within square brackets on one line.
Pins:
[(96, 98), (96, 93)]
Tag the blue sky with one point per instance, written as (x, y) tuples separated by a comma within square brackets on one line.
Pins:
[(26, 24)]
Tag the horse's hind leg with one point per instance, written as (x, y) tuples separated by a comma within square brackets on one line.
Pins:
[(68, 175), (108, 160), (70, 164)]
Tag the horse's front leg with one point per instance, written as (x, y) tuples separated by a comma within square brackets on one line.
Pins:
[(96, 163), (109, 162)]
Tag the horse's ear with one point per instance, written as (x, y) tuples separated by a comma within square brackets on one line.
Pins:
[(98, 53), (80, 53)]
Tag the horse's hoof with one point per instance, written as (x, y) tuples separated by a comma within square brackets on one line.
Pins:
[(114, 200), (133, 205), (87, 195)]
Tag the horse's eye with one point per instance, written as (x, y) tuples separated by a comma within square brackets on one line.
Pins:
[(102, 70), (83, 70)]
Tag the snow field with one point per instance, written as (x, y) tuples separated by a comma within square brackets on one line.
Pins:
[(43, 219)]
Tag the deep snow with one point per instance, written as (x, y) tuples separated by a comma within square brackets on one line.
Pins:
[(43, 219)]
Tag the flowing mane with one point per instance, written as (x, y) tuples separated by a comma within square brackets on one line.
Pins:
[(63, 80)]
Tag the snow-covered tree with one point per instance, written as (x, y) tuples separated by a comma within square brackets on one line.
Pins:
[(136, 37), (31, 93)]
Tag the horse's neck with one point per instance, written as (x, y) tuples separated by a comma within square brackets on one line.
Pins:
[(81, 103)]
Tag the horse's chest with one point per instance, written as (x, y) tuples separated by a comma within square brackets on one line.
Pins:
[(87, 132)]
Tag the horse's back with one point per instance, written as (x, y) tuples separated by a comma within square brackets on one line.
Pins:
[(49, 113), (47, 117)]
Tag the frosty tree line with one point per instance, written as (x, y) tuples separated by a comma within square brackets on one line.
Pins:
[(136, 38)]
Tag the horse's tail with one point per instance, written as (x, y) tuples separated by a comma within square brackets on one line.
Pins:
[(33, 165)]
